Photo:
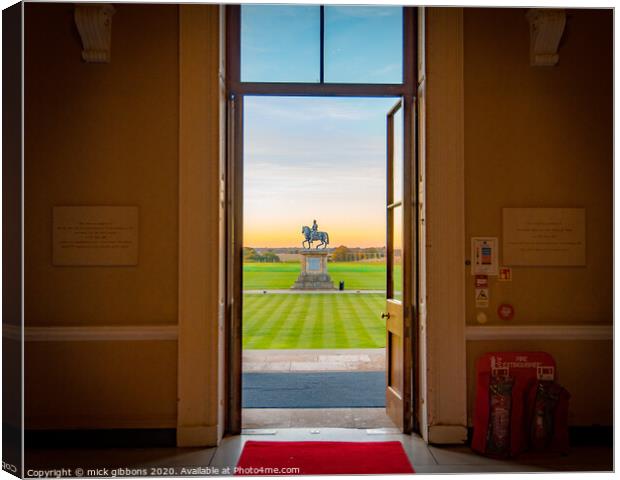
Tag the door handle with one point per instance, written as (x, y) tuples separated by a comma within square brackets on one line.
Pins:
[(385, 315)]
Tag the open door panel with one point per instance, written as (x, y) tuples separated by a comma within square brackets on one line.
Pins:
[(400, 272)]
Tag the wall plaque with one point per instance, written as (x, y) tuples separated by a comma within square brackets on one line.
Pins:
[(544, 236), (95, 236)]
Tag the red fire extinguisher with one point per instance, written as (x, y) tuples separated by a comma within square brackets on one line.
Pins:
[(547, 411), (500, 409)]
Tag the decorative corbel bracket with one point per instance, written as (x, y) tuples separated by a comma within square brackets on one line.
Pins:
[(546, 29), (94, 23)]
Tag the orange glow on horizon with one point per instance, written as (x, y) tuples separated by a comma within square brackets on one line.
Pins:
[(343, 233)]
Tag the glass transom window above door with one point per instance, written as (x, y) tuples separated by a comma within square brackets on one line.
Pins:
[(315, 44)]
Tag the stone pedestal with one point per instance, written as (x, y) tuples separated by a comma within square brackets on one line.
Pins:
[(313, 274)]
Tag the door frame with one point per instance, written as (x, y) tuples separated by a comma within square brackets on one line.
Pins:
[(235, 92)]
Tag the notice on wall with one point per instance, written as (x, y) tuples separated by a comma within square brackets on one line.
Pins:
[(482, 297), (484, 256), (482, 281), (95, 236), (544, 236)]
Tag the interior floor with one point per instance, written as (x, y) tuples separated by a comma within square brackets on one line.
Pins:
[(315, 417), (424, 458)]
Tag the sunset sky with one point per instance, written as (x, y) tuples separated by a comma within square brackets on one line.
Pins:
[(314, 158), (317, 158)]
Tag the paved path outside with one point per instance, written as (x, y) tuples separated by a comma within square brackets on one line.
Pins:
[(311, 292), (313, 390), (321, 360)]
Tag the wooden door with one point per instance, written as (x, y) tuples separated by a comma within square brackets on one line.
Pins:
[(400, 262)]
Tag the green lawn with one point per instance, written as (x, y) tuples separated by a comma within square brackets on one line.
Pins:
[(356, 275), (298, 321)]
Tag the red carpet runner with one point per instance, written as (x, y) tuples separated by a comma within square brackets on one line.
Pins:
[(322, 458)]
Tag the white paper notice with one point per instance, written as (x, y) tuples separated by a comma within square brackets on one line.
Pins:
[(544, 236), (484, 256)]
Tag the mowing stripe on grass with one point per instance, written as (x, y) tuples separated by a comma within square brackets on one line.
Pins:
[(294, 333), (256, 304), (288, 330), (363, 313), (307, 321), (316, 337), (254, 309), (290, 321), (270, 323), (373, 322), (278, 321), (339, 324)]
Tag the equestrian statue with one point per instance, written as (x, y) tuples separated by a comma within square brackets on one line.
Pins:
[(313, 235)]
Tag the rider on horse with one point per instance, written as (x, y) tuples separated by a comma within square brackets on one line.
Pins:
[(313, 234)]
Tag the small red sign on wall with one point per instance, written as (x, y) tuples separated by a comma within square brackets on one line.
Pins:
[(505, 274), (482, 281), (506, 311)]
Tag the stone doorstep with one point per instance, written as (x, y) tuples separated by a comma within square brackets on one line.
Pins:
[(345, 358), (320, 367), (270, 353), (267, 367), (367, 360), (316, 417)]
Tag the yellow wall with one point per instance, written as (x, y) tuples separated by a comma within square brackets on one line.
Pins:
[(108, 135), (126, 384), (102, 134), (542, 137)]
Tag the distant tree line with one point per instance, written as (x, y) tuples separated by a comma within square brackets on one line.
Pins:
[(341, 253), (251, 255), (346, 254)]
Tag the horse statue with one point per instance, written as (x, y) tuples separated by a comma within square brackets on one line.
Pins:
[(312, 236)]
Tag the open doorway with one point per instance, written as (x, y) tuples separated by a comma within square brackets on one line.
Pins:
[(315, 261), (298, 80)]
